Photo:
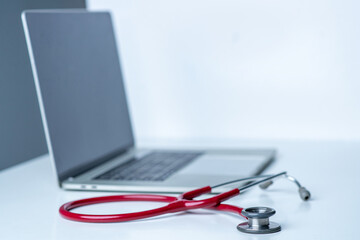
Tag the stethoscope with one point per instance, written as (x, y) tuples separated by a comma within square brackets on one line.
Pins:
[(258, 217)]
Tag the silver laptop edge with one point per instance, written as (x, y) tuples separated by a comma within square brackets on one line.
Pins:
[(38, 92)]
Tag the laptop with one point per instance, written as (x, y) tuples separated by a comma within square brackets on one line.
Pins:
[(86, 118)]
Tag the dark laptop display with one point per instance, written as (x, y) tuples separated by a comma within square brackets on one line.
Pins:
[(82, 88)]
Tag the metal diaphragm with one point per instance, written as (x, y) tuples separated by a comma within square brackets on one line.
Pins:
[(258, 221)]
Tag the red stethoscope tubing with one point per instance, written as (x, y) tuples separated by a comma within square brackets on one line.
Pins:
[(176, 204)]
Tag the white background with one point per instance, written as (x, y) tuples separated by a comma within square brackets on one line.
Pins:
[(240, 69)]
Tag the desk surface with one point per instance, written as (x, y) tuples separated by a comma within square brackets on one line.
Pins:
[(330, 170)]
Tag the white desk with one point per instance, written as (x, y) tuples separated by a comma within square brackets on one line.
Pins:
[(330, 170)]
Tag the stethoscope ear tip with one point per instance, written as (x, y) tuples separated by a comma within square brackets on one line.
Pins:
[(304, 193), (265, 185)]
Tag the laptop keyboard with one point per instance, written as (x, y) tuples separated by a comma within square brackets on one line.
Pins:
[(155, 166)]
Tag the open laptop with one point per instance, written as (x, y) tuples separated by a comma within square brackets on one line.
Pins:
[(86, 119)]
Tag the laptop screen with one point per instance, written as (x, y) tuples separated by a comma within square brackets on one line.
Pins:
[(82, 91)]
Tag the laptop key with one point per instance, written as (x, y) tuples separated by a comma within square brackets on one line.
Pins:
[(155, 166)]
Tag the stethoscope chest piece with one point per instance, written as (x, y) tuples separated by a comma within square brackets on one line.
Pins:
[(258, 221)]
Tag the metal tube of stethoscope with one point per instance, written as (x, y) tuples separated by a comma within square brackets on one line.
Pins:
[(268, 180), (288, 177), (242, 180)]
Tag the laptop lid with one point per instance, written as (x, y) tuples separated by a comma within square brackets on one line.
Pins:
[(80, 87)]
